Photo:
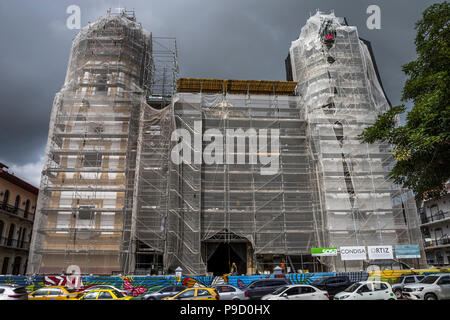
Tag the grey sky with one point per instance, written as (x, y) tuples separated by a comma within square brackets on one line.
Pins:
[(233, 39)]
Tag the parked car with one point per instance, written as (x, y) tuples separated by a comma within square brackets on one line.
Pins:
[(297, 292), (164, 292), (103, 294), (229, 292), (367, 290), (405, 280), (197, 293), (333, 285), (432, 287), (104, 286), (53, 293), (13, 292), (259, 288)]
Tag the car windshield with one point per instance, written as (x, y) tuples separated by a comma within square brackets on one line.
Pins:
[(280, 290), (353, 287), (429, 279)]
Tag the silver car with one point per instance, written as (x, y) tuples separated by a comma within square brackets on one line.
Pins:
[(432, 287), (297, 292), (229, 292), (13, 292)]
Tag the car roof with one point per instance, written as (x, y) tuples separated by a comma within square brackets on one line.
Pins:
[(93, 290), (223, 284)]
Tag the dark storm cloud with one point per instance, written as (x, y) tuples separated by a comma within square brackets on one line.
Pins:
[(240, 39)]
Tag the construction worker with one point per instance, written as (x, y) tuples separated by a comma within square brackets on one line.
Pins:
[(233, 270)]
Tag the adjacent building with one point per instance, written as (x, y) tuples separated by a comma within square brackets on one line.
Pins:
[(17, 208), (435, 222)]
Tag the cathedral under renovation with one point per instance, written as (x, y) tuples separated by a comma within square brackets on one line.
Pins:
[(112, 200)]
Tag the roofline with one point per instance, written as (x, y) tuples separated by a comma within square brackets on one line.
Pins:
[(18, 181)]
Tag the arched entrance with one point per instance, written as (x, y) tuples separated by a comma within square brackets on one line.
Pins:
[(222, 250)]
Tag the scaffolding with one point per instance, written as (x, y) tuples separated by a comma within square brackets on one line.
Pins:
[(341, 92), (112, 200), (86, 214)]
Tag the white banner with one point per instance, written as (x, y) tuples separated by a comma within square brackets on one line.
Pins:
[(380, 252), (353, 253)]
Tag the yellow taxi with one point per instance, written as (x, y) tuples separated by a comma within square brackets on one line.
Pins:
[(103, 294), (197, 293), (53, 293)]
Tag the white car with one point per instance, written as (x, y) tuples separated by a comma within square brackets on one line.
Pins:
[(13, 292), (432, 287), (367, 290), (297, 292)]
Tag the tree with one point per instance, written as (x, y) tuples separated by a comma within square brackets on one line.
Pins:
[(421, 147)]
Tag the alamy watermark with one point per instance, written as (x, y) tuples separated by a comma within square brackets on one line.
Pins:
[(74, 20), (374, 20), (223, 150)]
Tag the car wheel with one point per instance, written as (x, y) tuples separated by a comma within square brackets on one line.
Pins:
[(236, 299), (430, 296), (398, 293)]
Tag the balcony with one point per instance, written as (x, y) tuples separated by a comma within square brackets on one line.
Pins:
[(12, 211), (14, 244), (442, 242), (435, 218)]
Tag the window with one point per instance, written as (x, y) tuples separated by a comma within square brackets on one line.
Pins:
[(380, 286), (409, 280), (5, 265), (429, 279), (16, 204), (364, 288), (187, 294), (5, 199), (2, 290), (86, 217), (444, 280), (274, 283), (27, 209), (280, 290), (167, 289), (107, 220), (92, 160), (10, 234), (118, 294), (306, 290), (63, 220), (1, 229), (55, 292), (202, 293), (420, 278), (105, 295), (257, 284), (292, 291), (40, 293), (91, 295), (228, 289)]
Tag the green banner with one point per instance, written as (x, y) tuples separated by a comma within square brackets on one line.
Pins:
[(324, 252)]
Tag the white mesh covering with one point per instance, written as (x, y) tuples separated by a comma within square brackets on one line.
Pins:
[(341, 93)]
